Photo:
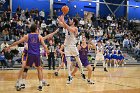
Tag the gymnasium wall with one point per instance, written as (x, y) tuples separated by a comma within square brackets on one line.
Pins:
[(80, 7), (4, 7), (44, 4), (30, 4), (134, 12), (104, 11)]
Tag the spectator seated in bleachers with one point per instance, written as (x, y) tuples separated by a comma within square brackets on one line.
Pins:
[(137, 50), (5, 34), (9, 58), (2, 60), (3, 45)]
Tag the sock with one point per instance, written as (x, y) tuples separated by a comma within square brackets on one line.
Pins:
[(23, 81), (44, 81), (95, 63), (104, 64), (68, 65), (40, 83), (69, 71)]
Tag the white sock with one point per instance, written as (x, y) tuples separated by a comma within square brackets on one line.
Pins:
[(104, 65), (69, 65), (69, 71), (44, 81), (95, 63), (23, 81), (40, 83)]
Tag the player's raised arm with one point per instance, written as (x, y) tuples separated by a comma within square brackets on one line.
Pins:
[(60, 23), (51, 34), (42, 42), (71, 29), (23, 39)]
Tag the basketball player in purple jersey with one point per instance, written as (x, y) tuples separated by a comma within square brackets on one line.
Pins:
[(22, 76), (20, 84), (70, 48), (83, 53), (61, 50), (33, 39)]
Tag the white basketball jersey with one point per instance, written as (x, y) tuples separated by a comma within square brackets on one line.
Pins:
[(99, 49), (70, 39)]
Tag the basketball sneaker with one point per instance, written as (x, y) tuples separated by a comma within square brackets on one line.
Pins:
[(93, 69), (18, 86), (22, 86), (105, 70), (69, 79), (83, 76), (40, 88), (89, 81), (56, 73), (45, 83)]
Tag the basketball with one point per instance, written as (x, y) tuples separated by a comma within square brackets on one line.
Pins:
[(65, 9)]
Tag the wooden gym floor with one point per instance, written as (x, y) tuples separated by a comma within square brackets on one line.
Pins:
[(117, 80)]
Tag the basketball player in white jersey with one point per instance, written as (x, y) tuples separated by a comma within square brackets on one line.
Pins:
[(70, 48), (99, 55)]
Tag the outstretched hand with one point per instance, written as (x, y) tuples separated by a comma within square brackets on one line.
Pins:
[(61, 18)]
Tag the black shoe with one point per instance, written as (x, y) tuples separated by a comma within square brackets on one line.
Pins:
[(105, 70), (40, 88), (90, 82), (49, 69), (83, 76), (22, 86), (56, 73), (93, 69), (18, 88)]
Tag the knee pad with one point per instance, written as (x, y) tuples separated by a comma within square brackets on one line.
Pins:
[(25, 70)]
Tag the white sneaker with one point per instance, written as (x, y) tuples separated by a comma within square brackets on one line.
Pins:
[(45, 83), (90, 82), (18, 86), (69, 80)]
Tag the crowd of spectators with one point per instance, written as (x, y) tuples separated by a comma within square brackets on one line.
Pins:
[(116, 31)]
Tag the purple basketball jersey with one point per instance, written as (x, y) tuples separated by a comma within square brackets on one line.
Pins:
[(83, 56), (33, 44), (83, 52)]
